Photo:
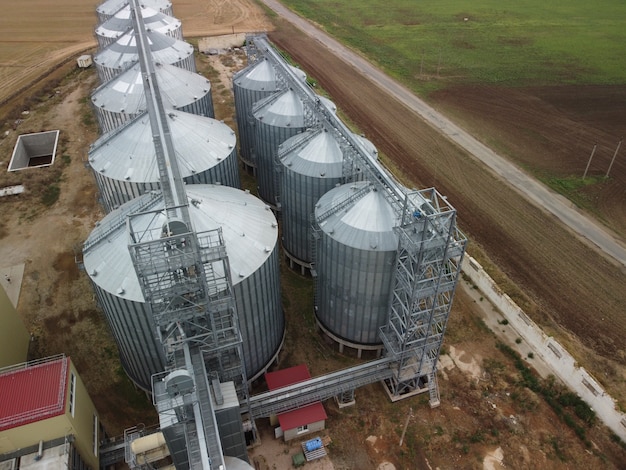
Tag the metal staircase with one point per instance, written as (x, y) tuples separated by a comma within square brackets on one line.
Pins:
[(185, 280)]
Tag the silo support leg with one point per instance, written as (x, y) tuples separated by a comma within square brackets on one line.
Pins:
[(345, 399)]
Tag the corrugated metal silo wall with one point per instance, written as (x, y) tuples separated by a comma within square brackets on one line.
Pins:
[(300, 193), (244, 100), (352, 289), (267, 140), (111, 120), (107, 73), (203, 106), (104, 41), (226, 173), (260, 313), (164, 7), (116, 192), (187, 63), (134, 332), (261, 321)]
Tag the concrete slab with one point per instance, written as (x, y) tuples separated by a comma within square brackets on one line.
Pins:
[(11, 280)]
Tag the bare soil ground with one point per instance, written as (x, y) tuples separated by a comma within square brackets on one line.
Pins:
[(485, 411)]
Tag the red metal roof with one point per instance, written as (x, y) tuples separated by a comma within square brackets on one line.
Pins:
[(284, 377), (305, 415), (33, 392)]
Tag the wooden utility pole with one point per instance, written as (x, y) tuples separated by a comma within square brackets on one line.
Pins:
[(619, 144), (406, 425), (589, 162)]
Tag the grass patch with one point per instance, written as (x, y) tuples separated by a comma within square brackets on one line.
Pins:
[(560, 399), (50, 195), (572, 188), (429, 44)]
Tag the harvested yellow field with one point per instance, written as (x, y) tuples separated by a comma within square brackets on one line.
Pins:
[(38, 35)]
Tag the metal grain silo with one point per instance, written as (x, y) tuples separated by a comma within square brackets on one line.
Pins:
[(119, 24), (311, 165), (123, 98), (250, 233), (124, 161), (277, 118), (354, 260), (250, 85), (109, 8), (122, 54), (328, 103)]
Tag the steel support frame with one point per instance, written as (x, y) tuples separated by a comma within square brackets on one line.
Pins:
[(428, 264)]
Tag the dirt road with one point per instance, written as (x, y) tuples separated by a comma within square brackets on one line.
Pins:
[(535, 192)]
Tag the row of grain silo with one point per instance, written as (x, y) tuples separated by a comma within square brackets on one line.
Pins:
[(124, 163), (301, 173)]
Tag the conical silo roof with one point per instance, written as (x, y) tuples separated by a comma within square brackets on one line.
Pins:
[(314, 153), (200, 143), (365, 223), (328, 103), (284, 110), (248, 226), (125, 92), (120, 23), (369, 146), (121, 54), (109, 8), (257, 77)]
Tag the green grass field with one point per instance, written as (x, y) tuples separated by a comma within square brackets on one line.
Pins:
[(430, 44)]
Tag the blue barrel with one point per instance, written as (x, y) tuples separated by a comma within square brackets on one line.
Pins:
[(313, 444)]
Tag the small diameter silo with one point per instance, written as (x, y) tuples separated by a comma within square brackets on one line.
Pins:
[(277, 118), (116, 26), (250, 85), (125, 166), (109, 8), (250, 234), (311, 165), (355, 260), (122, 54), (123, 98), (328, 104)]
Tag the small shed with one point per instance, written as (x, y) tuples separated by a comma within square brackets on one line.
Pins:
[(84, 61), (302, 421)]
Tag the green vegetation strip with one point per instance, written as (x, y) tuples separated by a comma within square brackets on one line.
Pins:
[(558, 398), (430, 44)]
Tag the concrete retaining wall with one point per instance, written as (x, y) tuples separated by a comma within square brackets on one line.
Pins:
[(561, 362)]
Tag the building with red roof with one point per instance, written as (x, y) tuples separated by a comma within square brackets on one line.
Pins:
[(47, 418), (305, 420)]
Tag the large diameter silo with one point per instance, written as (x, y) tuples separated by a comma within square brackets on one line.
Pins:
[(277, 118), (250, 85), (124, 162), (312, 164), (122, 54), (116, 26), (250, 233), (355, 260), (123, 98), (109, 8)]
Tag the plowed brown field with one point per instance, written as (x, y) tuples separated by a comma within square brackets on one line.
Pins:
[(562, 281)]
